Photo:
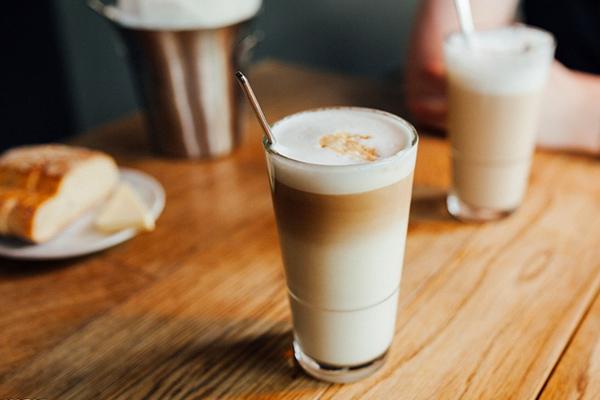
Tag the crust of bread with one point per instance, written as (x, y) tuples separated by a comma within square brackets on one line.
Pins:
[(18, 212), (32, 176)]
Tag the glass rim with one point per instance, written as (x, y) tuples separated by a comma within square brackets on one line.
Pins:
[(414, 139), (551, 43)]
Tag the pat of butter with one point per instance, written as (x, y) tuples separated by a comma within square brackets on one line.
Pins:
[(124, 210)]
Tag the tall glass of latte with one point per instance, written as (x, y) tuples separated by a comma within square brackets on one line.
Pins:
[(341, 181), (495, 84)]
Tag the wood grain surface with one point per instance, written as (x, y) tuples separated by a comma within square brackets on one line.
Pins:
[(197, 309), (577, 376)]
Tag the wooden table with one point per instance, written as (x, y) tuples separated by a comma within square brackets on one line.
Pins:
[(198, 309)]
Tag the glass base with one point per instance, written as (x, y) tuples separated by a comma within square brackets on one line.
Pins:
[(464, 212), (334, 373)]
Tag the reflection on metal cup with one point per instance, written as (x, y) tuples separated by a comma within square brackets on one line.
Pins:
[(185, 78)]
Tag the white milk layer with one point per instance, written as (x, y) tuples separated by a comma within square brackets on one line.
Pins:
[(511, 60), (324, 171), (345, 338), (183, 14)]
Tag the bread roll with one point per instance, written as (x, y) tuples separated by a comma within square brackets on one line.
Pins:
[(45, 187)]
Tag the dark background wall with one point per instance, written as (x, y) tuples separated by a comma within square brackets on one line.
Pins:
[(33, 95), (353, 36)]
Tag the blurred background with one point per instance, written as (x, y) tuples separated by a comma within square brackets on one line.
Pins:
[(67, 67)]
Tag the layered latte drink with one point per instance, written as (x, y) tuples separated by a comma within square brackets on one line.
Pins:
[(341, 182), (495, 84)]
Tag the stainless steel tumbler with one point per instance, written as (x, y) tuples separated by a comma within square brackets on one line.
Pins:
[(185, 79)]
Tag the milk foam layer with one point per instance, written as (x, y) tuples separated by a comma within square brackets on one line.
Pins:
[(511, 60), (324, 171), (298, 135), (182, 14)]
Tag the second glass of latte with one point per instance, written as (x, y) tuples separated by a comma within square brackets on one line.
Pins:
[(495, 84), (341, 181)]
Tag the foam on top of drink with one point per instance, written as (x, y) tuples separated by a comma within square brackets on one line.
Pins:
[(183, 14), (342, 150), (339, 136), (510, 60)]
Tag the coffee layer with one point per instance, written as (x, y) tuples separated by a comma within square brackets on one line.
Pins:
[(332, 218), (343, 252)]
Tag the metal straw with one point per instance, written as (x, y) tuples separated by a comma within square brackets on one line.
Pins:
[(465, 19), (245, 84)]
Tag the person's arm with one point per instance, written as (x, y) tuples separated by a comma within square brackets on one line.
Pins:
[(425, 73), (570, 118)]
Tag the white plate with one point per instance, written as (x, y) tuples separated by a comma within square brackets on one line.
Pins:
[(81, 237)]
